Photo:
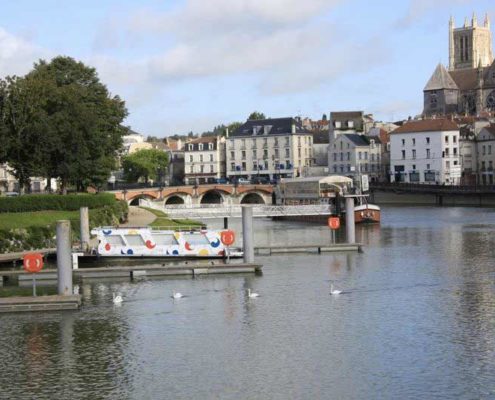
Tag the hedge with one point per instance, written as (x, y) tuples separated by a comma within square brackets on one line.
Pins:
[(41, 202), (36, 237)]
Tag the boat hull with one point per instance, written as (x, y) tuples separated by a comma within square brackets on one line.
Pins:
[(367, 214)]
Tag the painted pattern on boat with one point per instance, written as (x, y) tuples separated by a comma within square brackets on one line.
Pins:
[(147, 242)]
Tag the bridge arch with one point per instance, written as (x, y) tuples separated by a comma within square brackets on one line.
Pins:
[(174, 200), (252, 198), (135, 200), (212, 197)]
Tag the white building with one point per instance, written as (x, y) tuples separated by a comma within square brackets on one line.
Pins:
[(485, 147), (204, 160), (353, 155), (426, 151), (270, 149)]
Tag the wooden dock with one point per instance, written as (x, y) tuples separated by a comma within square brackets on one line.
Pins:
[(39, 303), (141, 270)]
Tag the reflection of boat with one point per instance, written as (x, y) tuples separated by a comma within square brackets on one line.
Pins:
[(147, 242), (366, 213)]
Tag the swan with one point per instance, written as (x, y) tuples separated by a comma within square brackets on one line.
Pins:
[(176, 295), (252, 295), (332, 291), (117, 299)]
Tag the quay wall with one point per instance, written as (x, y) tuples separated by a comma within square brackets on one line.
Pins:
[(465, 200)]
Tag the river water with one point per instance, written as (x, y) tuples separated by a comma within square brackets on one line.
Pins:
[(416, 320)]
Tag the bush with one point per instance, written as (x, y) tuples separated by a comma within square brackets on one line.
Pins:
[(39, 237), (42, 202)]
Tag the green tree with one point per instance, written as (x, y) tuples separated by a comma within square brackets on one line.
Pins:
[(68, 115), (145, 164), (256, 115), (234, 126)]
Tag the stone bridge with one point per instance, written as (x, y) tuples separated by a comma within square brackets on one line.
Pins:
[(202, 194)]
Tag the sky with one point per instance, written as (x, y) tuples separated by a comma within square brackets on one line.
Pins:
[(189, 65)]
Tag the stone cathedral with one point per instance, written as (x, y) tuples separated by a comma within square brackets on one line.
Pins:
[(468, 86)]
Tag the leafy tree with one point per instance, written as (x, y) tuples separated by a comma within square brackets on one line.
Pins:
[(145, 164), (256, 115), (233, 126), (61, 122)]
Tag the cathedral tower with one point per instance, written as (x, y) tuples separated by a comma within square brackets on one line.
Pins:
[(470, 45)]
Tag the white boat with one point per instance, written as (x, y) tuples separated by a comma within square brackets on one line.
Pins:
[(148, 242)]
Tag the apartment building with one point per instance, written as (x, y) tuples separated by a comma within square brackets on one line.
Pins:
[(271, 148), (204, 160), (426, 151)]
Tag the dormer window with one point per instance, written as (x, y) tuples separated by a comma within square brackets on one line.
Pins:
[(210, 146), (200, 146), (191, 147), (338, 124), (350, 124)]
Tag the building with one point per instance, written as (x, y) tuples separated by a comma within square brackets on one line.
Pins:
[(426, 151), (204, 160), (485, 150), (468, 86), (270, 148), (355, 155)]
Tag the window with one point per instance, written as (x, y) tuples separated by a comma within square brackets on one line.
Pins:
[(427, 140), (191, 169), (190, 147), (287, 140), (350, 124), (489, 149), (255, 153), (348, 156), (338, 124), (287, 152), (365, 155), (348, 167), (427, 153), (372, 157), (243, 165), (276, 153), (201, 158), (299, 141), (265, 153), (211, 157), (243, 154), (299, 152), (232, 166), (454, 139), (341, 145), (359, 155), (414, 141), (200, 146), (490, 165), (196, 239), (447, 139), (134, 240), (403, 154), (243, 143), (276, 142), (483, 150), (210, 146), (335, 168), (341, 156), (202, 168), (211, 168), (403, 142), (255, 165), (115, 240), (455, 151), (232, 154), (191, 158), (334, 156), (428, 167), (414, 154), (163, 239), (446, 152)]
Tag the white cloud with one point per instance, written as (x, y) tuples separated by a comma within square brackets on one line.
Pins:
[(17, 55), (419, 8)]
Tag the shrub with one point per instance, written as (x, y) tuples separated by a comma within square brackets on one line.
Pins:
[(42, 202)]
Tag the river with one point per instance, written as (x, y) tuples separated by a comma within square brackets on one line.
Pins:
[(416, 320)]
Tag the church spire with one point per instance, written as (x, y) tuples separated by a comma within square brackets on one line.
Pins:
[(474, 21), (487, 21), (451, 44), (466, 23)]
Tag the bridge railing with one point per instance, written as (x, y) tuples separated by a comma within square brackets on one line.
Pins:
[(425, 187)]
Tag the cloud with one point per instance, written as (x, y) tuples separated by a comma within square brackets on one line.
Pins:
[(17, 55), (419, 8)]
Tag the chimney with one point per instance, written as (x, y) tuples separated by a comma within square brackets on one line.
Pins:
[(227, 132)]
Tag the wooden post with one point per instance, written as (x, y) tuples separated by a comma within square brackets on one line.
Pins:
[(64, 260), (84, 220)]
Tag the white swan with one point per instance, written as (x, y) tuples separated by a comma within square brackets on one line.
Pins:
[(117, 299), (332, 291), (252, 295), (176, 295)]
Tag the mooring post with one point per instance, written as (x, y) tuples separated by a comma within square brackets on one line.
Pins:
[(84, 217), (247, 234), (225, 222), (349, 220), (64, 259)]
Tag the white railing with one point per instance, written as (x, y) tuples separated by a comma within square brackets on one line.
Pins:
[(209, 211)]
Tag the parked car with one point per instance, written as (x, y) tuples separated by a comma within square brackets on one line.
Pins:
[(243, 181), (11, 194), (260, 180), (221, 181)]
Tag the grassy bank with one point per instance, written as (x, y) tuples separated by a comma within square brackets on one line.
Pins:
[(162, 220), (37, 218)]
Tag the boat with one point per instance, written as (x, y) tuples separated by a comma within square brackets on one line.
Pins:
[(367, 213), (147, 242)]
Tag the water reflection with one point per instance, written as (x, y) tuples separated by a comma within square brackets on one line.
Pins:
[(415, 320)]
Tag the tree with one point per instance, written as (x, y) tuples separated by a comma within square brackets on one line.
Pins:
[(324, 117), (256, 115), (147, 164), (62, 110)]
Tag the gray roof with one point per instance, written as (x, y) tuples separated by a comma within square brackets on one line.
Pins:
[(440, 79), (274, 126), (358, 140), (321, 138)]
